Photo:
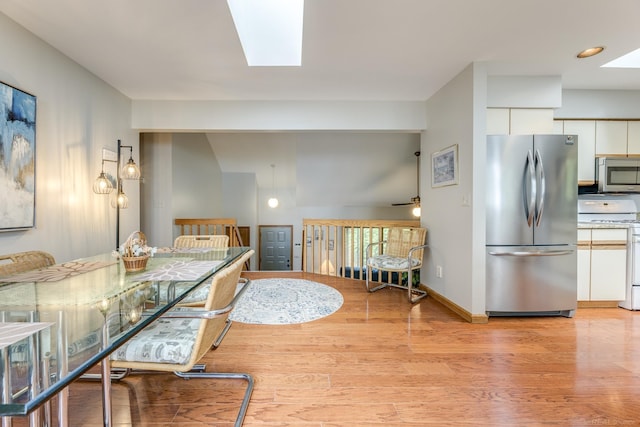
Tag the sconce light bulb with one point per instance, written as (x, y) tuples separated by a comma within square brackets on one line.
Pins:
[(123, 201), (131, 170), (416, 211), (102, 185)]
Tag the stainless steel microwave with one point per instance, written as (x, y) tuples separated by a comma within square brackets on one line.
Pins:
[(618, 175)]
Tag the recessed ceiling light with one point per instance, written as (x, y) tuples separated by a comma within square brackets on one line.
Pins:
[(630, 60), (590, 52), (270, 31)]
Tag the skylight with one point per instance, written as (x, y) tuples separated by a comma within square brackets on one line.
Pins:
[(270, 31), (630, 60)]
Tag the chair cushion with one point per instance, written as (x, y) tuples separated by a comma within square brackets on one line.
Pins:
[(163, 341), (199, 294), (388, 262)]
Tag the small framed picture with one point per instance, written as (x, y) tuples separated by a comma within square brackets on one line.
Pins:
[(444, 167)]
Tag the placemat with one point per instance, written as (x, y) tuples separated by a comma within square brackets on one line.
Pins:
[(12, 332), (57, 272), (178, 270), (186, 250)]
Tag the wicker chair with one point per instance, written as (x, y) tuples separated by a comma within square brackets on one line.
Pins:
[(401, 252), (24, 261), (181, 337), (210, 241), (198, 297)]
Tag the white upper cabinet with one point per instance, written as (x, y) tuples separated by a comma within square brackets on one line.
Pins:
[(525, 121), (633, 138), (519, 121), (497, 121), (611, 137), (586, 131), (558, 127)]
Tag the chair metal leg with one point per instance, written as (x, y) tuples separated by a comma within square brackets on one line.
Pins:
[(369, 270), (233, 376), (411, 291), (218, 340)]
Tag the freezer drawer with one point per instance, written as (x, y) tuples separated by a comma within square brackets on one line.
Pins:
[(531, 280)]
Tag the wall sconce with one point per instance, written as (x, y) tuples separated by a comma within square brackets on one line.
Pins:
[(273, 201), (104, 185)]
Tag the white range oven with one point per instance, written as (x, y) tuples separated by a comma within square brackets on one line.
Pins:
[(620, 211)]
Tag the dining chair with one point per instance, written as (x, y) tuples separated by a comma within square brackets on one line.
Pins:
[(20, 262), (181, 337), (198, 296), (16, 263), (401, 252), (202, 241)]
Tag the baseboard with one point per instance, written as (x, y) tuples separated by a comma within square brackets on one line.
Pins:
[(598, 304), (463, 313)]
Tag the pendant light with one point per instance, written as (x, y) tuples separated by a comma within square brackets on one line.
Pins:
[(273, 201), (417, 210)]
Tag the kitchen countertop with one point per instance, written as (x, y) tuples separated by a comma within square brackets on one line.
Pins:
[(602, 225)]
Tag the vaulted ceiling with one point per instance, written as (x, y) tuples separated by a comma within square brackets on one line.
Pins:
[(352, 49)]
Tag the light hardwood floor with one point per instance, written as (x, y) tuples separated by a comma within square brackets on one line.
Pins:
[(381, 361)]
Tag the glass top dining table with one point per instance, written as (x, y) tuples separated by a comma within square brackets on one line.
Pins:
[(71, 316)]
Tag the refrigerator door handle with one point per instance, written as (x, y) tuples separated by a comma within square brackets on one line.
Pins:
[(531, 203), (532, 253), (540, 171)]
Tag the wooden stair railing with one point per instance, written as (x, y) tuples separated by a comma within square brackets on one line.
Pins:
[(210, 226), (336, 247)]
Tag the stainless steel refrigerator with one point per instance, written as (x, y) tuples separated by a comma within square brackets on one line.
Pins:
[(532, 191)]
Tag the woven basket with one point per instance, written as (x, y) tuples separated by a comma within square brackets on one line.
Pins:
[(135, 263)]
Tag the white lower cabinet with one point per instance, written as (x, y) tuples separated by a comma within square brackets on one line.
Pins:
[(602, 264)]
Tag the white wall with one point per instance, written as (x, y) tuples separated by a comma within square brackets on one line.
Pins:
[(524, 91), (156, 216), (182, 180), (197, 179), (452, 118), (599, 104), (277, 115), (77, 115), (240, 195)]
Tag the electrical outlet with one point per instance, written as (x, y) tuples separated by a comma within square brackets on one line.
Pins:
[(439, 271)]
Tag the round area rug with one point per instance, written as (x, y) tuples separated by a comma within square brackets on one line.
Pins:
[(285, 301)]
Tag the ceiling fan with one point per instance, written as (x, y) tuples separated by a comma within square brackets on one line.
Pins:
[(414, 200)]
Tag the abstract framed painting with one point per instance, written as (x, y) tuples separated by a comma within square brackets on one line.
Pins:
[(17, 158)]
